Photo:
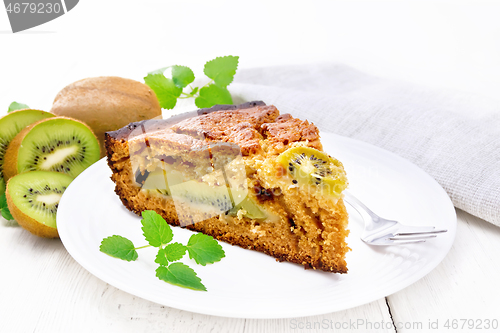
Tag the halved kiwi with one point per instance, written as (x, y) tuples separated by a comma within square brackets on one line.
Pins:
[(313, 169), (11, 125), (54, 144), (33, 199)]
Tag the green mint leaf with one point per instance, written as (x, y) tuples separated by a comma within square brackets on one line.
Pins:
[(3, 201), (4, 209), (161, 257), (119, 247), (165, 89), (175, 251), (221, 70), (2, 185), (211, 95), (17, 106), (180, 275), (155, 228), (171, 252), (182, 76), (204, 249), (6, 214)]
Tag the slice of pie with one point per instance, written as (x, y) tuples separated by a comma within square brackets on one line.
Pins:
[(243, 174)]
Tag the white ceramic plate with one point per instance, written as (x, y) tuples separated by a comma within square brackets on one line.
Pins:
[(249, 284)]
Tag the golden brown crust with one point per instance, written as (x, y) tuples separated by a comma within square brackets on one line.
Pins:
[(287, 130)]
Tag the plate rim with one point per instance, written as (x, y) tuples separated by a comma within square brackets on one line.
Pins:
[(235, 314)]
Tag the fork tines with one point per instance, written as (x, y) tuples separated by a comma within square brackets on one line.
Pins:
[(415, 237)]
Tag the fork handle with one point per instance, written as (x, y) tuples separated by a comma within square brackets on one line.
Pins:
[(360, 207)]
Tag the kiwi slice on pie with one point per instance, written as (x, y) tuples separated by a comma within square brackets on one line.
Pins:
[(310, 168), (54, 144), (10, 126), (33, 199)]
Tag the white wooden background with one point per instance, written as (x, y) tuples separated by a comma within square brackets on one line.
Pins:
[(44, 290), (448, 44)]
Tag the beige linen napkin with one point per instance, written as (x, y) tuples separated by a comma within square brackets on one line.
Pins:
[(453, 136)]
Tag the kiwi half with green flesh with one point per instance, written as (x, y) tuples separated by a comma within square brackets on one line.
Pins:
[(54, 144), (11, 125), (33, 199), (313, 169)]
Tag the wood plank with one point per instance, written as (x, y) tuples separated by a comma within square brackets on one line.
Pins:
[(464, 286), (360, 319)]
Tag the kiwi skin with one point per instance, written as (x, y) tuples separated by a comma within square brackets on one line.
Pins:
[(28, 223), (106, 103), (10, 166)]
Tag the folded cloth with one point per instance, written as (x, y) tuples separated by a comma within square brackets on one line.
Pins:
[(453, 136)]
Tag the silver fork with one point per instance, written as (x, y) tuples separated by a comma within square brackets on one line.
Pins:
[(380, 231)]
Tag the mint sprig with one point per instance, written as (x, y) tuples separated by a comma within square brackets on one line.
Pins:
[(17, 106), (202, 248), (220, 70)]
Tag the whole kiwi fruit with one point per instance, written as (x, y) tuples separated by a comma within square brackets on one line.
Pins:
[(106, 103)]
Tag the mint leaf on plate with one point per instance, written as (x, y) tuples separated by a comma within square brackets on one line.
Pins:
[(165, 89), (204, 249), (119, 247), (175, 251), (171, 252), (222, 70), (155, 228), (180, 275), (211, 95)]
